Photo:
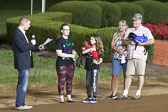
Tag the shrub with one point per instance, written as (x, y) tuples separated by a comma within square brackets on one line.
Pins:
[(111, 13), (46, 27), (84, 13), (37, 24), (128, 10), (50, 29), (159, 31), (52, 16), (151, 53), (154, 12), (106, 35)]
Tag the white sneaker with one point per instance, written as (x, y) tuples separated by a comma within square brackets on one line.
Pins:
[(24, 107)]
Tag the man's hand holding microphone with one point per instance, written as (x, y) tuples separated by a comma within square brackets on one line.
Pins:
[(33, 41)]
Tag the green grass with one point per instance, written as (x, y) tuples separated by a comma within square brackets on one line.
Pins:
[(43, 72)]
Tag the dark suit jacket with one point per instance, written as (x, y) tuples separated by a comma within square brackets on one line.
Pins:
[(21, 50)]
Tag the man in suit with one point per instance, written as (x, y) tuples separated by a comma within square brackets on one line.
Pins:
[(23, 60)]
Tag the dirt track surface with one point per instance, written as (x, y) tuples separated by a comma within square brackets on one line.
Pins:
[(154, 98), (154, 94), (157, 103)]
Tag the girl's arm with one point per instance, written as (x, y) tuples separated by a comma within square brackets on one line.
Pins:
[(97, 63), (88, 50), (64, 55)]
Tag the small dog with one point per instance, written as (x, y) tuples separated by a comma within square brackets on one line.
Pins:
[(141, 39), (95, 54)]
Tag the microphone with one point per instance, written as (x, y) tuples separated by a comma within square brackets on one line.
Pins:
[(33, 40), (33, 36)]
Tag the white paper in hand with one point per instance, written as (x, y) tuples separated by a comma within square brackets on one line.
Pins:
[(46, 42)]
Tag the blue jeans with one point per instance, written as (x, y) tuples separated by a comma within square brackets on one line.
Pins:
[(23, 76)]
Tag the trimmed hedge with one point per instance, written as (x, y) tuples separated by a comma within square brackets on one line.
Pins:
[(167, 6), (128, 10), (125, 0), (154, 12), (45, 19), (111, 13), (18, 5), (106, 35), (151, 53), (47, 28), (84, 13), (52, 16)]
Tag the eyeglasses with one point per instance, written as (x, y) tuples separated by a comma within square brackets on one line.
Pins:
[(66, 29)]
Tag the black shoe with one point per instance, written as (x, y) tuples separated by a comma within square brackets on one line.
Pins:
[(137, 97), (112, 97), (70, 101), (61, 102), (123, 98)]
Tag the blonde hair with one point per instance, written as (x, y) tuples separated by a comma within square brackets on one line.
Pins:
[(125, 22), (99, 43)]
